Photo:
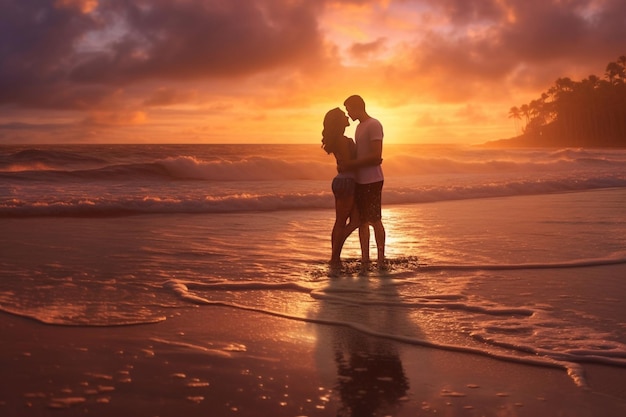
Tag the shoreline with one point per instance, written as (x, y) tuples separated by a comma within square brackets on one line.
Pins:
[(222, 361)]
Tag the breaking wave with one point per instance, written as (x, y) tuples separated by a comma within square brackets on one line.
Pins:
[(113, 182)]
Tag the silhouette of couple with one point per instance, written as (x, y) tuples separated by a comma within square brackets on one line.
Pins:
[(358, 185)]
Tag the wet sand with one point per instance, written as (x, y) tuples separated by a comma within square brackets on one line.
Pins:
[(222, 361)]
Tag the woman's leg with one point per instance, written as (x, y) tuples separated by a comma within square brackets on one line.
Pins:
[(355, 219), (343, 212)]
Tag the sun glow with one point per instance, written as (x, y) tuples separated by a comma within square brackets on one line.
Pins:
[(267, 71)]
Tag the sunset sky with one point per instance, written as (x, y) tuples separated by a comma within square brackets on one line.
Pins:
[(250, 71)]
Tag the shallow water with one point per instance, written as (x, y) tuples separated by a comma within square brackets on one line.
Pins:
[(536, 277)]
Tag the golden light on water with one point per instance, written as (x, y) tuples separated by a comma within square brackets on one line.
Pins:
[(399, 241)]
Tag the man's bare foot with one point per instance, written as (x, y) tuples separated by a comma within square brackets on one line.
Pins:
[(382, 265), (365, 267)]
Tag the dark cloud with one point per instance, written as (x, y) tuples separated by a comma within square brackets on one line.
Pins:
[(157, 39), (549, 31), (69, 54), (169, 39), (168, 97), (533, 33), (36, 41), (610, 25), (25, 133), (469, 11)]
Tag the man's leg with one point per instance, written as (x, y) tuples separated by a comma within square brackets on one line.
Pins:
[(380, 236), (375, 194), (364, 239), (361, 201)]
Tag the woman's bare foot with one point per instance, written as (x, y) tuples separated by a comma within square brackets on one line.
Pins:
[(334, 268)]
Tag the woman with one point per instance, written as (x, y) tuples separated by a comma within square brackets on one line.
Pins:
[(343, 148)]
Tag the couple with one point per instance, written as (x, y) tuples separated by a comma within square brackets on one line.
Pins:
[(359, 183)]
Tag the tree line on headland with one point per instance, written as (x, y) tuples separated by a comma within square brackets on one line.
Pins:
[(587, 113)]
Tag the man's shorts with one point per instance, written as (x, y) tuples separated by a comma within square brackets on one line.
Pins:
[(368, 199), (343, 187)]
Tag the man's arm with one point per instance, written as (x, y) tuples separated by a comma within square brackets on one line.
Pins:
[(374, 157)]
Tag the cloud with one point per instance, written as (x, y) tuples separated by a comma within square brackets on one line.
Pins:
[(169, 96), (175, 39), (365, 50), (459, 12), (85, 6), (36, 41), (145, 40), (116, 118), (489, 38), (116, 62), (76, 54), (468, 50)]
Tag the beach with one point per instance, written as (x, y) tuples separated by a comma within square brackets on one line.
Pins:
[(175, 175), (224, 362), (160, 294), (257, 353)]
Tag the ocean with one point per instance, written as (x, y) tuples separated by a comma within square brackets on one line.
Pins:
[(513, 254)]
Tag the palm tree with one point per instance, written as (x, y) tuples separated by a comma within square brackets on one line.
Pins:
[(516, 115), (622, 62), (525, 111), (615, 72), (591, 112)]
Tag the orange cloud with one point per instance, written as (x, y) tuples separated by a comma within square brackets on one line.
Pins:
[(85, 6), (116, 118), (367, 49), (273, 67)]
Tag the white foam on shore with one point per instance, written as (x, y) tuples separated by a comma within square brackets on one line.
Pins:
[(615, 259), (523, 334), (529, 334)]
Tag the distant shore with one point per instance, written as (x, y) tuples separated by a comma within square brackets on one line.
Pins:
[(538, 141)]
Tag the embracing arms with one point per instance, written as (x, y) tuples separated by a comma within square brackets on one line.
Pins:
[(374, 157)]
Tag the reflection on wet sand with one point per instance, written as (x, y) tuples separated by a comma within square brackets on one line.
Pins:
[(371, 379), (370, 376)]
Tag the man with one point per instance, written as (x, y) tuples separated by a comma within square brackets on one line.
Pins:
[(369, 178)]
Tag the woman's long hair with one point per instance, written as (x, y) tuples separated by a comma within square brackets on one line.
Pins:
[(334, 127)]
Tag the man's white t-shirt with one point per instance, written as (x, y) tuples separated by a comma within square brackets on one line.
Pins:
[(366, 132)]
